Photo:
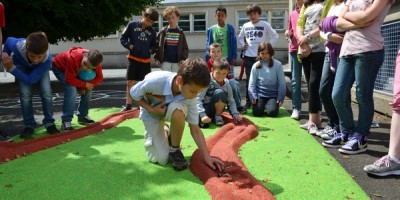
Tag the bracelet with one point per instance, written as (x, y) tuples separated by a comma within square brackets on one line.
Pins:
[(308, 35)]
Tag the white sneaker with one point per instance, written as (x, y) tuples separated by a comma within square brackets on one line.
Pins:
[(329, 133), (325, 130), (295, 114), (305, 125), (313, 129)]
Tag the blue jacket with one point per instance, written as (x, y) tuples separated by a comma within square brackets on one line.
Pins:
[(143, 41), (23, 69), (232, 44)]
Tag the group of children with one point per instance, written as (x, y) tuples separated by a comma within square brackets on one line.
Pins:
[(352, 53)]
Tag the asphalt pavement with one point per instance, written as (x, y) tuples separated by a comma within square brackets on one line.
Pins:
[(111, 93)]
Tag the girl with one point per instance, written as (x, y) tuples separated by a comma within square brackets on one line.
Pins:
[(267, 86), (360, 59)]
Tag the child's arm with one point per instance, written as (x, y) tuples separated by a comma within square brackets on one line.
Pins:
[(198, 137), (241, 38), (157, 53), (344, 24), (233, 45), (365, 16), (185, 52), (99, 75), (200, 108), (125, 37), (232, 104), (208, 42), (281, 83), (273, 36), (252, 83)]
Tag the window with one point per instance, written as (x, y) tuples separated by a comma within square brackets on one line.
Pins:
[(189, 22), (199, 22), (278, 19), (243, 18), (184, 22)]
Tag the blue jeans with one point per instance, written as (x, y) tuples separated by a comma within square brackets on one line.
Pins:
[(70, 93), (325, 92), (268, 104), (363, 69), (236, 92), (296, 68), (218, 96), (45, 95)]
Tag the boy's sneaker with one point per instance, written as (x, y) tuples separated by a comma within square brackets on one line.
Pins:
[(337, 141), (383, 167), (85, 120), (312, 129), (52, 129), (328, 133), (5, 138), (66, 126), (218, 120), (295, 114), (247, 105), (26, 133), (125, 109), (242, 110), (357, 143), (178, 160)]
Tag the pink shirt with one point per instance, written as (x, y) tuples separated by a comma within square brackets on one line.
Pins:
[(364, 39), (294, 16)]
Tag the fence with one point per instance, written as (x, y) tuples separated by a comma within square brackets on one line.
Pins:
[(385, 78)]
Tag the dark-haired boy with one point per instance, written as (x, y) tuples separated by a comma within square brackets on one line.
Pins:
[(176, 93), (29, 61), (66, 67), (140, 39)]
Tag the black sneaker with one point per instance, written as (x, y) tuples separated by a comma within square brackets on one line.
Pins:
[(178, 161), (4, 137), (52, 129), (125, 109), (66, 126), (85, 120), (26, 133), (242, 110)]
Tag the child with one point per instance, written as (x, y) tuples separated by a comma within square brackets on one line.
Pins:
[(361, 57), (215, 53), (251, 35), (390, 164), (267, 86), (66, 66), (177, 93), (140, 39), (29, 61), (172, 44), (211, 102)]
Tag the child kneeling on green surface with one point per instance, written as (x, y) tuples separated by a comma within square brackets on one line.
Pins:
[(176, 93)]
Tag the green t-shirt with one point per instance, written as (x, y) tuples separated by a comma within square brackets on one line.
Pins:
[(220, 35)]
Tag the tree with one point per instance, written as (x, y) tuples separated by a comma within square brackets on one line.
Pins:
[(76, 20)]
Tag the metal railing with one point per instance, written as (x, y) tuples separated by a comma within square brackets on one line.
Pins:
[(385, 78)]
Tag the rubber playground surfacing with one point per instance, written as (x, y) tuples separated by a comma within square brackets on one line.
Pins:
[(111, 164)]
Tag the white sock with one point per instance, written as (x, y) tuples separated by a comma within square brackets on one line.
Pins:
[(394, 159), (173, 149)]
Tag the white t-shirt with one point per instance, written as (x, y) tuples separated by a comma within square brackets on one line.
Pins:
[(255, 34)]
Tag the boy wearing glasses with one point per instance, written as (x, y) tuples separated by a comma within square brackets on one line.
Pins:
[(68, 67)]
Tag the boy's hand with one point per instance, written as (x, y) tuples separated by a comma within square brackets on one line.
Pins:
[(206, 119), (233, 61), (158, 63), (214, 163), (159, 109), (7, 61), (89, 86), (279, 103), (253, 101), (237, 118), (131, 46), (81, 91), (245, 46)]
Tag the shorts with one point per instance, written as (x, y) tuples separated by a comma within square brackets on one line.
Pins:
[(137, 70), (155, 139)]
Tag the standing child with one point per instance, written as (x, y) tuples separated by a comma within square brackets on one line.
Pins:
[(211, 102), (172, 45), (267, 86), (176, 95), (225, 36), (361, 57), (29, 61), (68, 67), (295, 66), (254, 32), (140, 39)]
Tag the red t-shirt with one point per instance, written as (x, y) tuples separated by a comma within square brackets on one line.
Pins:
[(70, 63), (2, 18)]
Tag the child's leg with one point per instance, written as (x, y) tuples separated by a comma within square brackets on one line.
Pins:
[(242, 69), (47, 99), (83, 107), (394, 145), (236, 92), (26, 104), (69, 96), (156, 142), (176, 113), (272, 107), (259, 107)]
